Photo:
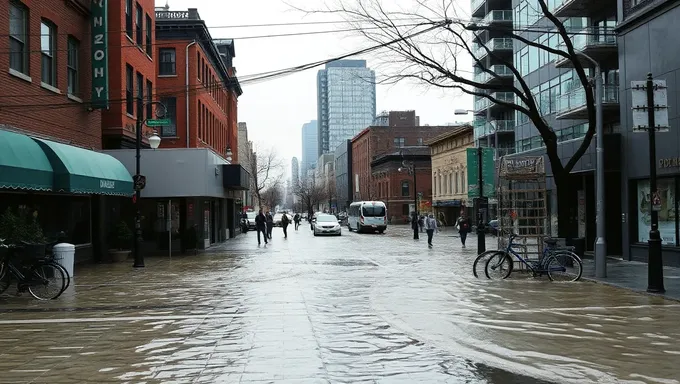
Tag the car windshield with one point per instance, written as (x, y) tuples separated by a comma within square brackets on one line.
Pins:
[(373, 211), (251, 215), (326, 219)]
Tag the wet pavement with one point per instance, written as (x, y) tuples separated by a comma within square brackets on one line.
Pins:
[(357, 308)]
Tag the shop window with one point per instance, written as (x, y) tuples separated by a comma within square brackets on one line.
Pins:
[(667, 212)]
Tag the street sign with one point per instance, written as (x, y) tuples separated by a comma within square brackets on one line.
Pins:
[(488, 172), (158, 122), (639, 106), (139, 182)]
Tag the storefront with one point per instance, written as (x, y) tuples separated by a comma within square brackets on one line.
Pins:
[(65, 189), (448, 211)]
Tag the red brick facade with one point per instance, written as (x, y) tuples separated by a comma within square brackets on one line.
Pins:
[(395, 187), (26, 103)]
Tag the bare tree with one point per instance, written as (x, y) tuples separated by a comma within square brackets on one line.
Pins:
[(266, 171), (431, 58), (272, 196), (310, 193)]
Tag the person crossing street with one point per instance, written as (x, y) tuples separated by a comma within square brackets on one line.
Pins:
[(430, 227)]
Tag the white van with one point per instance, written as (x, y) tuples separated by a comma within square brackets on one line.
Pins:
[(367, 216)]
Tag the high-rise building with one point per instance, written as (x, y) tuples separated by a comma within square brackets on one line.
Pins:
[(309, 146), (345, 102), (294, 171)]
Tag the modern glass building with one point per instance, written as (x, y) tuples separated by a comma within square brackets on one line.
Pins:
[(345, 102), (309, 147)]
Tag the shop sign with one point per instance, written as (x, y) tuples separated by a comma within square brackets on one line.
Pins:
[(669, 162), (107, 184), (100, 55)]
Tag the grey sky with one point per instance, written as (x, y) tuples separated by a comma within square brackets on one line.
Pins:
[(275, 110)]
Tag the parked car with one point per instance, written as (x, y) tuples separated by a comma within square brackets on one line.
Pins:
[(251, 219), (277, 219), (326, 225)]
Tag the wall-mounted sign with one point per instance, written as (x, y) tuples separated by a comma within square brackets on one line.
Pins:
[(100, 55), (670, 162), (107, 184), (518, 166)]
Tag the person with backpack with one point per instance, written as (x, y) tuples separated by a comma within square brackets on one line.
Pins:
[(463, 225), (284, 224)]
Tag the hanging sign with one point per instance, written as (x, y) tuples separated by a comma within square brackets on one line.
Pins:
[(100, 54)]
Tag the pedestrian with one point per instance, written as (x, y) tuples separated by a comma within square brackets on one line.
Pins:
[(421, 223), (270, 224), (284, 224), (296, 219), (261, 226), (414, 225), (430, 227), (463, 225)]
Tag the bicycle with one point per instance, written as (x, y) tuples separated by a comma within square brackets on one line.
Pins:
[(553, 262), (44, 279)]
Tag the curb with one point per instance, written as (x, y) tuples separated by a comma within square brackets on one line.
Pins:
[(615, 285)]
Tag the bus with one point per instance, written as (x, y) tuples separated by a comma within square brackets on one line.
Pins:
[(367, 216)]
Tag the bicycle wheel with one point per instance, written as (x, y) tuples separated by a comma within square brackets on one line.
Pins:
[(498, 266), (66, 275), (564, 266), (480, 261), (46, 281)]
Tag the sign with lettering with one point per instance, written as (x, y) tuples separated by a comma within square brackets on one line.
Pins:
[(522, 166), (671, 162), (488, 166), (100, 54), (107, 184)]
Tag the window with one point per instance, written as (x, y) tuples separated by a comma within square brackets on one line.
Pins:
[(405, 209), (72, 65), (47, 53), (171, 105), (128, 18), (140, 95), (138, 24), (399, 142), (434, 185), (200, 120), (373, 211), (18, 41), (149, 100), (129, 90), (420, 141), (667, 213), (198, 60), (149, 31), (167, 65), (405, 189)]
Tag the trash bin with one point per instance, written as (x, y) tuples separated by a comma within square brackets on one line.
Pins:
[(64, 254)]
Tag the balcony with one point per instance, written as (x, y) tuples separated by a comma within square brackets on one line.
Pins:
[(599, 43), (498, 17), (482, 105), (573, 104), (504, 151), (502, 71), (477, 8), (581, 8), (483, 128), (497, 46)]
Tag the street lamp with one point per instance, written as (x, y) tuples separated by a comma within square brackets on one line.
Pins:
[(462, 111), (139, 180), (229, 153), (410, 167)]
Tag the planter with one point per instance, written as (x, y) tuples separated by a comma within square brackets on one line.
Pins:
[(118, 256)]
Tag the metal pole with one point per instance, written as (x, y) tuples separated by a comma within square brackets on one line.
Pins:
[(415, 190), (139, 258), (481, 240), (654, 263), (169, 225), (600, 242)]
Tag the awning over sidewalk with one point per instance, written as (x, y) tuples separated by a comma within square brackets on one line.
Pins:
[(79, 170), (23, 164)]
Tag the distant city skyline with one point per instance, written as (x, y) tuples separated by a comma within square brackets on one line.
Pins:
[(309, 136)]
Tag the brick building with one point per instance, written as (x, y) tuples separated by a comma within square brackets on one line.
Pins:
[(132, 64), (196, 76)]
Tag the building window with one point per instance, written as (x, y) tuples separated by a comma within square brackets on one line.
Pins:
[(149, 100), (399, 142), (129, 90), (149, 31), (420, 141), (47, 53), (667, 212), (198, 60), (18, 41), (405, 189), (405, 209), (167, 65), (138, 24), (128, 18), (140, 95), (72, 65), (171, 105), (434, 186)]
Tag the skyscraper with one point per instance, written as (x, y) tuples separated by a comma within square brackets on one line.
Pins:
[(345, 102), (294, 171), (309, 146)]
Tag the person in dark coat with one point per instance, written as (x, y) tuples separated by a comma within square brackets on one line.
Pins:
[(284, 224), (261, 226), (270, 224), (414, 225), (297, 219), (463, 225)]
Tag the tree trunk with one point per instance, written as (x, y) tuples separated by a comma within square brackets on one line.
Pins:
[(566, 206)]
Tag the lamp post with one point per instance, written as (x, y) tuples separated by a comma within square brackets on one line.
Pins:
[(139, 180), (410, 167)]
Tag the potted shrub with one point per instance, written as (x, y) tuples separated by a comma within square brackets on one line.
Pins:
[(121, 239), (23, 232)]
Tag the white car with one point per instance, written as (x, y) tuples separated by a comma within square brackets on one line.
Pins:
[(326, 225)]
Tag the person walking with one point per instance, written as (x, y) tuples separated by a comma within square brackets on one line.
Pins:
[(261, 226), (430, 227), (270, 224), (421, 223), (414, 225), (296, 219), (284, 224), (463, 225)]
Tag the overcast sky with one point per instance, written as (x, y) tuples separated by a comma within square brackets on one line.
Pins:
[(275, 110)]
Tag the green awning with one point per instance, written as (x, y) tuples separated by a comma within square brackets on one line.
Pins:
[(78, 170), (23, 164)]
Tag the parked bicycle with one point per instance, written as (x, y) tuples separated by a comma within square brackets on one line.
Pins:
[(560, 264), (43, 278)]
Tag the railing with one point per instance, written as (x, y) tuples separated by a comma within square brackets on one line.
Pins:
[(484, 128), (592, 37), (502, 43), (498, 16), (504, 151), (499, 69), (503, 125), (191, 14), (577, 98), (484, 103)]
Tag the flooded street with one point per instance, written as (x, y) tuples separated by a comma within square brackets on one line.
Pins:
[(356, 308)]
